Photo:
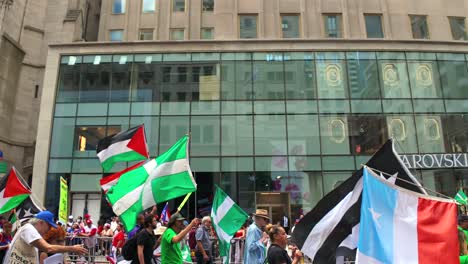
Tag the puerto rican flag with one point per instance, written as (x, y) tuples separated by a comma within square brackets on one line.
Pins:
[(165, 214), (401, 226)]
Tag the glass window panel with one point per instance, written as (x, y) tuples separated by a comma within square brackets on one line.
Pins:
[(366, 106), (363, 79), (147, 85), (65, 109), (87, 137), (205, 81), (454, 79), (172, 128), (236, 107), (211, 56), (338, 163), (177, 34), (331, 79), (428, 106), (121, 76), (119, 109), (450, 56), (374, 26), (290, 26), (268, 80), (334, 135), (145, 109), (333, 26), (390, 55), (424, 79), (87, 166), (178, 5), (116, 35), (208, 5), (300, 143), (176, 81), (60, 165), (458, 28), (92, 109), (419, 27), (306, 190), (118, 7), (420, 56), (304, 163), (269, 107), (334, 106), (91, 121), (117, 124), (95, 79), (63, 133), (175, 108), (237, 135), (237, 164), (335, 56), (151, 131), (456, 138), (236, 80), (205, 108), (274, 166), (394, 79), (85, 183), (307, 56), (247, 26), (177, 57), (397, 106), (147, 58), (301, 107), (430, 134), (360, 55), (360, 160), (68, 83), (237, 56), (70, 60), (205, 135), (402, 129), (146, 34), (442, 181), (367, 134), (270, 135), (456, 106), (331, 180), (204, 165), (207, 33), (299, 79), (148, 6)]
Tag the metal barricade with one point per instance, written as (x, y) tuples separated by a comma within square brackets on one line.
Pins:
[(99, 249)]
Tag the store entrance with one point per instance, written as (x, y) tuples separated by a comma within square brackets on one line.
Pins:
[(276, 203)]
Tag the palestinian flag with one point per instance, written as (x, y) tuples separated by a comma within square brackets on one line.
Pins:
[(128, 145), (13, 191), (112, 180), (158, 180), (3, 164)]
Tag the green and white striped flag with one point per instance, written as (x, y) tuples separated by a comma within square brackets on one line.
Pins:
[(158, 180), (227, 218), (461, 197)]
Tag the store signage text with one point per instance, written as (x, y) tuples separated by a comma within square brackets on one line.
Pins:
[(429, 161)]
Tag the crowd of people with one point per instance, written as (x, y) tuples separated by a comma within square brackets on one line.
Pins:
[(151, 241)]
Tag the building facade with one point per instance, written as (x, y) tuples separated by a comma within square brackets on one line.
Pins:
[(283, 99)]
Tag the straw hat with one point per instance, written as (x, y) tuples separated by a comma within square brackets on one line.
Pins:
[(160, 230), (262, 213)]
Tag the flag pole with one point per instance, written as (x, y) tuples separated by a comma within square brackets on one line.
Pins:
[(183, 202)]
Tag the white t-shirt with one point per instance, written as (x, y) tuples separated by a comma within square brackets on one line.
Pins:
[(21, 251), (90, 241)]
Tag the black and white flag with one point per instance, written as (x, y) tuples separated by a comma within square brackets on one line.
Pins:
[(333, 224)]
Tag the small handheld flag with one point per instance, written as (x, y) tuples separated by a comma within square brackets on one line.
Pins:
[(165, 214), (461, 197)]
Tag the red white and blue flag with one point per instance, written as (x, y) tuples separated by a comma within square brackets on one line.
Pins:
[(165, 214), (401, 226)]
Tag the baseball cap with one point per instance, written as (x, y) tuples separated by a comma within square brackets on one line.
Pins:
[(47, 217), (89, 221), (70, 217), (174, 218)]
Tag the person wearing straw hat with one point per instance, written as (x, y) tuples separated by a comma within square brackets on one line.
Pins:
[(256, 239), (27, 241)]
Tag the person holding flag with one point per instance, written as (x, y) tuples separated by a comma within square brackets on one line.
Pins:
[(176, 231)]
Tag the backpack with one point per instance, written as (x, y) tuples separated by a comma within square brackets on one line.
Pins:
[(129, 249)]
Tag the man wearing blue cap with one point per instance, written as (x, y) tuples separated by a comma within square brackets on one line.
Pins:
[(27, 241)]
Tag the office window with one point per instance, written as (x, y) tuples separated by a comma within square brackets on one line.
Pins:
[(333, 26), (178, 5), (146, 34), (458, 27), (116, 35), (374, 26), (419, 27), (118, 7), (247, 26), (207, 33), (290, 26), (208, 5), (177, 34), (148, 6)]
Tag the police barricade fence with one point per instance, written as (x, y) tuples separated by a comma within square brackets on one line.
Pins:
[(99, 248)]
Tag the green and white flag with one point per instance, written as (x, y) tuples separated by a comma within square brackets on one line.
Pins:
[(227, 218), (461, 197), (158, 180)]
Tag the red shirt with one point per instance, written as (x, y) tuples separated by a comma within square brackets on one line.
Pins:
[(119, 236)]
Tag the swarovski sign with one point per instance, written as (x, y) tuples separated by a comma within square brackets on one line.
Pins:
[(430, 161)]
